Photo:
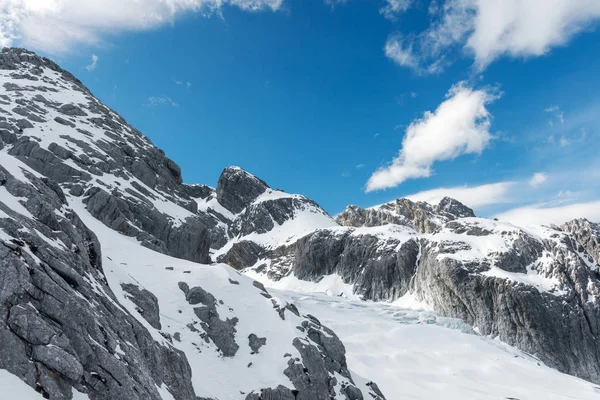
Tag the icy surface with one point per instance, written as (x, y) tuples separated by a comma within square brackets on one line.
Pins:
[(418, 355), (213, 375)]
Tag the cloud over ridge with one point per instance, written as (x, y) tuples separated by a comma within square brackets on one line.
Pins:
[(459, 125)]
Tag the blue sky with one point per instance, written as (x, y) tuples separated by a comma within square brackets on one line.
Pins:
[(353, 102)]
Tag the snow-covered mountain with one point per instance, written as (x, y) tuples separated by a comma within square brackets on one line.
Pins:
[(535, 288), (101, 292), (119, 281)]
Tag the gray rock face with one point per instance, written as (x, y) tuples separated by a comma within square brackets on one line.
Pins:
[(379, 268), (587, 237), (154, 229), (279, 393), (242, 254), (560, 328), (422, 217), (58, 331), (255, 342), (146, 302), (198, 191), (237, 189)]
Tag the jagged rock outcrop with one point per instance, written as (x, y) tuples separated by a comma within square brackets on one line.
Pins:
[(587, 235), (380, 268), (421, 216), (237, 189), (266, 219)]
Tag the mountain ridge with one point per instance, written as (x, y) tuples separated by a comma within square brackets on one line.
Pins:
[(68, 163)]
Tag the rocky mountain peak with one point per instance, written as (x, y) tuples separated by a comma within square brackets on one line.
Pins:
[(455, 208), (421, 216), (237, 189), (587, 235)]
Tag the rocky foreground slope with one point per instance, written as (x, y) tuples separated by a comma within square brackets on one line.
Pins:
[(101, 293)]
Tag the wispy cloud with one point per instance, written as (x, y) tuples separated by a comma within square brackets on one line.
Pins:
[(460, 125), (564, 142), (155, 101), (94, 63), (557, 114), (334, 3), (393, 8), (472, 196), (182, 83), (360, 166), (541, 214)]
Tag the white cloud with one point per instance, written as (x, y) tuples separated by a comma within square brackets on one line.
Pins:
[(538, 214), (564, 141), (460, 125), (538, 179), (490, 29), (360, 166), (394, 7), (475, 196), (155, 101), (56, 26), (521, 28), (94, 63)]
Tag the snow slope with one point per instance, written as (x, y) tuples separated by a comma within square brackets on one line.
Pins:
[(213, 376), (418, 355)]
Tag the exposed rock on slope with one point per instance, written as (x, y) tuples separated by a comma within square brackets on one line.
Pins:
[(587, 235), (237, 189), (86, 310), (260, 218), (60, 325)]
